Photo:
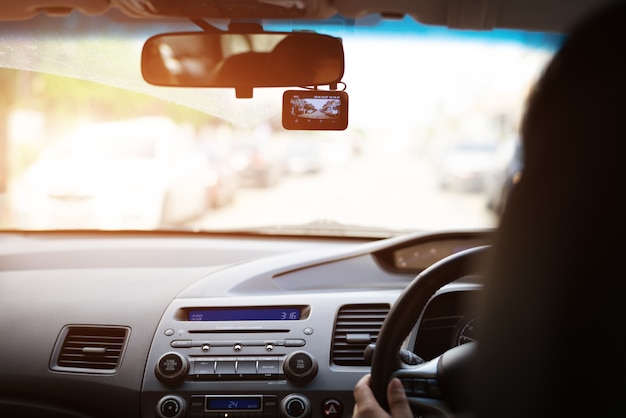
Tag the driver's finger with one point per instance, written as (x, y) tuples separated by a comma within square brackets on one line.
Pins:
[(398, 403)]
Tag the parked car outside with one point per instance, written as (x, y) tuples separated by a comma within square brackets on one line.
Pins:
[(137, 174), (259, 159), (225, 180), (464, 166), (507, 172), (304, 155)]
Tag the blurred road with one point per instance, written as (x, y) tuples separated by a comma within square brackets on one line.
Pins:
[(401, 193)]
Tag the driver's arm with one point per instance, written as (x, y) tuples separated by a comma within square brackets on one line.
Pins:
[(366, 405)]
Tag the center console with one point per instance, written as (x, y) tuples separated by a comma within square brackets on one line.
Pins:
[(243, 361)]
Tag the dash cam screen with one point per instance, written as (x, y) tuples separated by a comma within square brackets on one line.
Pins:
[(315, 110)]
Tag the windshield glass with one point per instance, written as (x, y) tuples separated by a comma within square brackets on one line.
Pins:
[(89, 145)]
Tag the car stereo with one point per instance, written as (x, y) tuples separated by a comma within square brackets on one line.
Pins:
[(232, 362)]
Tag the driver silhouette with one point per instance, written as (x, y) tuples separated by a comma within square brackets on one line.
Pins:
[(554, 329)]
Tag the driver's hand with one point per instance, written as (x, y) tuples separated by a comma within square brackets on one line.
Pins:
[(366, 405)]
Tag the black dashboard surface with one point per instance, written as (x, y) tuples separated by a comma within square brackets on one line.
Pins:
[(112, 324)]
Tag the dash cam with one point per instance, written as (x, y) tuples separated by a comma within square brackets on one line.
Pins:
[(315, 110)]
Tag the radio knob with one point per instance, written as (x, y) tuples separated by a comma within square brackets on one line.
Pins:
[(295, 406), (171, 368), (300, 367)]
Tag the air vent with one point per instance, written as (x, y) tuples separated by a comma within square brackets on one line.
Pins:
[(90, 349), (356, 327)]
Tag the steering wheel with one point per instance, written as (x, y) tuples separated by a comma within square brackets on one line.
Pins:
[(435, 387)]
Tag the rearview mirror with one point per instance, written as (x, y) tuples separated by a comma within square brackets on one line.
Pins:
[(242, 60)]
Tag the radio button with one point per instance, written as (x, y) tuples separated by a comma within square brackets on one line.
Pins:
[(246, 367), (181, 344), (268, 367), (204, 367), (295, 342), (225, 367)]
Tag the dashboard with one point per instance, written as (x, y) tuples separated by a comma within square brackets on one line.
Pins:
[(208, 326)]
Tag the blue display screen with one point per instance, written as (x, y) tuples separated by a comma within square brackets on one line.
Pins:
[(233, 403), (248, 314)]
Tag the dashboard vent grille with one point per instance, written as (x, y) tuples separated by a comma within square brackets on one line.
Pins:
[(356, 326), (90, 349)]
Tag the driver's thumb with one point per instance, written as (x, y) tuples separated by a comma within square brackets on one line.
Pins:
[(398, 404)]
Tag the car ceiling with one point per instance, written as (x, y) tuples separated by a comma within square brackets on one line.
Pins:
[(539, 15)]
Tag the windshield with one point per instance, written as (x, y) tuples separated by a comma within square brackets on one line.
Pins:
[(90, 145)]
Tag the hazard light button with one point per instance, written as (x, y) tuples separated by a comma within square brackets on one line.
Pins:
[(332, 408)]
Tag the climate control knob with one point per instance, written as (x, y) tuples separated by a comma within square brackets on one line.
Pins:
[(172, 368), (300, 367), (171, 406), (295, 406)]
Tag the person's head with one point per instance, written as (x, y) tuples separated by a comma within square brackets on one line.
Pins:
[(553, 298)]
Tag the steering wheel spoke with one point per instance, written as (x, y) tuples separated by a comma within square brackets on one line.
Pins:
[(420, 381), (423, 391), (430, 387)]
